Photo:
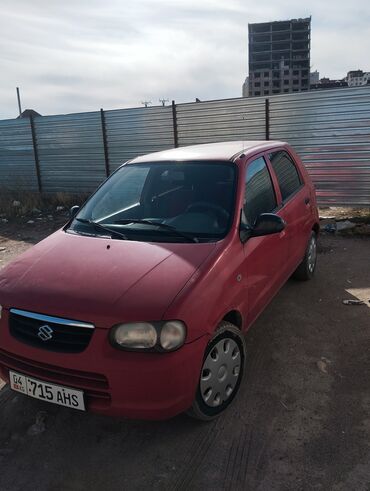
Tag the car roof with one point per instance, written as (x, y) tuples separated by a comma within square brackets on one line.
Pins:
[(210, 151)]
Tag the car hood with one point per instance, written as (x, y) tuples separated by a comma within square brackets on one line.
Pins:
[(99, 280)]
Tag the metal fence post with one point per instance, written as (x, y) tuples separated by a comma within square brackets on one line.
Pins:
[(267, 119), (174, 122), (36, 153), (105, 143)]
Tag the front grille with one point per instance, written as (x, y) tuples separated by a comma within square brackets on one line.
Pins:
[(49, 333)]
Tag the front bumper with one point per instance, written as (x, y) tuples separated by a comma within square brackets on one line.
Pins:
[(115, 383)]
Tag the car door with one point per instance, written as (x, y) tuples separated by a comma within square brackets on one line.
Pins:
[(295, 207), (263, 256)]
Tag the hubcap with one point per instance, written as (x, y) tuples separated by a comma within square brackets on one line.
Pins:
[(220, 372), (311, 256)]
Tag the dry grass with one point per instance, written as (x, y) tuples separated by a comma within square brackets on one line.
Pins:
[(30, 201), (358, 214)]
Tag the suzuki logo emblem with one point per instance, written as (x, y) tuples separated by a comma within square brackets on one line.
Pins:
[(45, 333)]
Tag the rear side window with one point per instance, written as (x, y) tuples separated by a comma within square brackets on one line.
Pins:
[(286, 173), (259, 191)]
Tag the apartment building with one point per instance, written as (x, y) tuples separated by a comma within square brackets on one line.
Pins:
[(279, 57)]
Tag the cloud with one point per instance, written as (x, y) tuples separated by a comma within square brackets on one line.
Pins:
[(81, 55)]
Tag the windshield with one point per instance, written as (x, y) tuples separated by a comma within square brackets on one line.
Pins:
[(164, 202)]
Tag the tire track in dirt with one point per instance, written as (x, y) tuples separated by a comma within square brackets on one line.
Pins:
[(198, 451), (246, 450), (238, 461)]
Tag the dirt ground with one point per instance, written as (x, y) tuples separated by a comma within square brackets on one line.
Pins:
[(300, 422)]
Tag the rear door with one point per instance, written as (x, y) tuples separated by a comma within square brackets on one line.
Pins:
[(295, 205), (263, 268)]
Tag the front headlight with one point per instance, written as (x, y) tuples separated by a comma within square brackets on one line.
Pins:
[(172, 335), (159, 336), (139, 335)]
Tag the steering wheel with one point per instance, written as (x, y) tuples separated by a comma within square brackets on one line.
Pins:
[(218, 210)]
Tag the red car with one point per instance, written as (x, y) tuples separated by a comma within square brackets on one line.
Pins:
[(139, 305)]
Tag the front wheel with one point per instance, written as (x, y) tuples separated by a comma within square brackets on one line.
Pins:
[(306, 269), (221, 373)]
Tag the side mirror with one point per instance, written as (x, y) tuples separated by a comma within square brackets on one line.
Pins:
[(245, 231), (73, 211), (267, 224)]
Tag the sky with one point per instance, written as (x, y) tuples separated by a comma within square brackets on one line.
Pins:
[(80, 55)]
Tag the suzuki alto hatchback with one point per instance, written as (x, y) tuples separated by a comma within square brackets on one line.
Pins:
[(138, 306)]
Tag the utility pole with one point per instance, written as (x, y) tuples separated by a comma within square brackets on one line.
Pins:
[(19, 102), (146, 103), (163, 101)]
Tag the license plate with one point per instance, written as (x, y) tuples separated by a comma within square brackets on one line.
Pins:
[(56, 394)]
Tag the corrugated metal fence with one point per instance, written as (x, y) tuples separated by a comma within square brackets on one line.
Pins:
[(17, 162), (330, 130), (132, 132), (230, 119), (70, 151)]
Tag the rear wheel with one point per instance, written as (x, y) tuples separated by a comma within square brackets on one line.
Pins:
[(221, 373), (306, 269)]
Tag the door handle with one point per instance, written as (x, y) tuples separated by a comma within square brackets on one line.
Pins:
[(306, 201)]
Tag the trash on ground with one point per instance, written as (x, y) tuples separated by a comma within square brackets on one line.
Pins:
[(339, 226), (322, 366), (327, 217), (330, 227), (353, 302), (345, 225)]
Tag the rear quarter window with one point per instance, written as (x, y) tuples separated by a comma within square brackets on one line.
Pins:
[(286, 172)]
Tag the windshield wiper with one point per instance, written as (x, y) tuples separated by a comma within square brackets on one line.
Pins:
[(164, 226), (99, 226)]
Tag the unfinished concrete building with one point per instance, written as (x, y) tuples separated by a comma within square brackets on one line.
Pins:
[(279, 57)]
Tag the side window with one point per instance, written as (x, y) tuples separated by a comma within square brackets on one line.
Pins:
[(259, 191), (286, 173)]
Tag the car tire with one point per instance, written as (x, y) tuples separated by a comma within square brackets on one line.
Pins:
[(306, 269), (221, 373)]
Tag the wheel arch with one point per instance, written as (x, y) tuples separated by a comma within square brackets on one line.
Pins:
[(234, 317), (316, 228)]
